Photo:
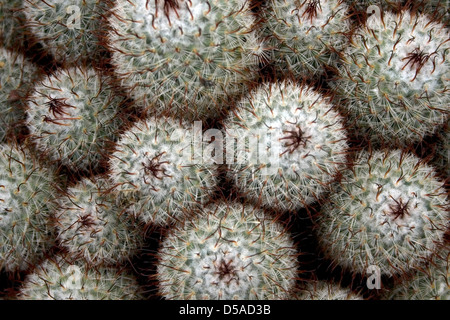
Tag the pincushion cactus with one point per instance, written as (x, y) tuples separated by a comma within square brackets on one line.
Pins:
[(394, 82), (12, 30), (323, 290), (391, 211), (228, 251), (305, 35), (429, 283), (60, 279), (185, 57), (70, 30), (291, 145), (153, 166), (93, 226), (17, 75), (73, 114), (25, 209)]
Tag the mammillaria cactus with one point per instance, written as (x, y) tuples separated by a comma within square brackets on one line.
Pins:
[(305, 35), (16, 77), (153, 166), (93, 226), (431, 282), (228, 251), (394, 81), (60, 279), (12, 31), (186, 57), (73, 114), (69, 30), (391, 211), (323, 290), (290, 145), (25, 209)]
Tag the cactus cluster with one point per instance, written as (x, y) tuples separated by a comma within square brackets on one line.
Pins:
[(394, 81), (287, 143), (26, 196), (227, 251), (391, 211), (184, 57), (224, 149)]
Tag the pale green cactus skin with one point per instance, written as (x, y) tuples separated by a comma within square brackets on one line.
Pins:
[(188, 61), (394, 81), (153, 167), (391, 211), (429, 283), (305, 35), (16, 78), (298, 172), (227, 251), (70, 30), (25, 209), (72, 115), (11, 23), (92, 225), (323, 290), (60, 279)]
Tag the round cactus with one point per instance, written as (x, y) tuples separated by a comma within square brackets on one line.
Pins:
[(305, 35), (290, 145), (70, 30), (25, 209), (322, 290), (185, 57), (12, 30), (60, 279), (394, 82), (429, 283), (228, 251), (93, 226), (390, 212), (16, 77), (73, 115), (154, 167)]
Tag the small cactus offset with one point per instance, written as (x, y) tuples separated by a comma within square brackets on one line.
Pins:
[(70, 30), (305, 35), (431, 282), (72, 115), (184, 57), (228, 251), (92, 226), (153, 167), (17, 75), (391, 211), (58, 278), (25, 209), (394, 82), (302, 145)]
